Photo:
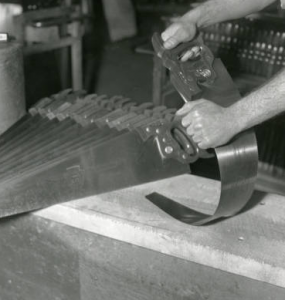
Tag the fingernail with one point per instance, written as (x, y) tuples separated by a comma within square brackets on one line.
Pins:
[(163, 36), (187, 56), (191, 53), (184, 122), (169, 43)]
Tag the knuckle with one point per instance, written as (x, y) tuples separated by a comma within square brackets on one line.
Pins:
[(203, 145), (196, 112), (198, 125), (184, 122), (189, 130), (196, 139)]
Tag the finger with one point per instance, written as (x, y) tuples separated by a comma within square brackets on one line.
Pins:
[(190, 130), (194, 128), (186, 108), (192, 53), (187, 55), (179, 36), (197, 138), (196, 50), (195, 112), (193, 118), (197, 127), (187, 120), (204, 144), (170, 31)]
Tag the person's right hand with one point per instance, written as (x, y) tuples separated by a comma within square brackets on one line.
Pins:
[(178, 32)]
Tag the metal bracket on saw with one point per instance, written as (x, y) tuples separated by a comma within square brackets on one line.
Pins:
[(187, 77), (173, 142)]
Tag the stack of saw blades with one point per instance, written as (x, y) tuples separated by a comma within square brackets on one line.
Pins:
[(72, 145)]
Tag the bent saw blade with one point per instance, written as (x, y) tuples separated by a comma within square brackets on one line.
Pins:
[(237, 160)]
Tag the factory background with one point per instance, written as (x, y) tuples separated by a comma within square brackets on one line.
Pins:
[(83, 235)]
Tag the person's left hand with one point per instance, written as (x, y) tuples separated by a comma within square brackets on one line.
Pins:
[(209, 124)]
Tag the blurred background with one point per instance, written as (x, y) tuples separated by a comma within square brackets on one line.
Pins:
[(105, 47)]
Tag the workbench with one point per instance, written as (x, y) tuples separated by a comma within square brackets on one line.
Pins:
[(120, 246)]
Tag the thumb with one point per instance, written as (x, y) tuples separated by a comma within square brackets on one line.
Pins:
[(189, 106), (170, 31), (176, 34)]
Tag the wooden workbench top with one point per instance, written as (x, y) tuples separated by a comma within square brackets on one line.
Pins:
[(251, 244)]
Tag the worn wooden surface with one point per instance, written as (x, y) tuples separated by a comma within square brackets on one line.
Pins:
[(42, 259), (119, 246), (251, 244)]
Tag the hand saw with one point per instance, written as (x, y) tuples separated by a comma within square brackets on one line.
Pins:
[(72, 145), (238, 160)]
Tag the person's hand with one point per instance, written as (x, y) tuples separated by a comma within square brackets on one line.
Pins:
[(178, 32), (209, 124)]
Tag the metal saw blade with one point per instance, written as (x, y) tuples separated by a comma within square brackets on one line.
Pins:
[(123, 161), (237, 160)]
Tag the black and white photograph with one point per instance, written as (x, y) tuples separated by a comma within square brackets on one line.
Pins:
[(142, 150)]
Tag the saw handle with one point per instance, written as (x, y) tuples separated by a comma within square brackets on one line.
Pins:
[(190, 150), (205, 55), (187, 76)]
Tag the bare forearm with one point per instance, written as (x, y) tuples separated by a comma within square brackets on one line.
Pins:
[(214, 11), (212, 125), (262, 104)]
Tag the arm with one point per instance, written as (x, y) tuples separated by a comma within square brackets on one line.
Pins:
[(212, 125), (208, 13), (262, 104), (215, 11)]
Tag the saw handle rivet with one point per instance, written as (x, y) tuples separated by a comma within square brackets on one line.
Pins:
[(241, 238), (147, 129), (206, 73), (168, 149), (157, 131)]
